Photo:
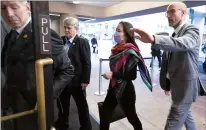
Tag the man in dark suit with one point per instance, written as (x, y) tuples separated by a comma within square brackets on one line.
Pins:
[(18, 64), (156, 53), (182, 65), (78, 50), (94, 44)]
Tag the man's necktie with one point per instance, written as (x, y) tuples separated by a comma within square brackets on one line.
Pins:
[(12, 39), (10, 43), (173, 34), (13, 36), (67, 45)]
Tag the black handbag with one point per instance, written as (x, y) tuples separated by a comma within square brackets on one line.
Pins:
[(117, 114)]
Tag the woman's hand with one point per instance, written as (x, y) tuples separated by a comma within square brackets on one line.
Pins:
[(108, 75)]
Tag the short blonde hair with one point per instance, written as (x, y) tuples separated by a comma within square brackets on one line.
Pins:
[(70, 21)]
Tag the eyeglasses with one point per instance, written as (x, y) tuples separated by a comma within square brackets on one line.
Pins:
[(171, 12)]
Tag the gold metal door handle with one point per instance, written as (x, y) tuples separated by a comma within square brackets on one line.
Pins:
[(40, 106), (39, 68), (17, 115)]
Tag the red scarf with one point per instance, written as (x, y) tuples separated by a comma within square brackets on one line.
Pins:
[(121, 47), (117, 61)]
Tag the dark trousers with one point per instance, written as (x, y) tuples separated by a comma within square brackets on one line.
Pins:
[(159, 60), (63, 104), (204, 65), (94, 48), (128, 104)]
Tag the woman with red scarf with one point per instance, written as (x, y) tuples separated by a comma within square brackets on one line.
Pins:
[(124, 59)]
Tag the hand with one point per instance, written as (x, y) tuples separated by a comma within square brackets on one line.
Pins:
[(167, 93), (143, 36), (84, 85), (108, 75)]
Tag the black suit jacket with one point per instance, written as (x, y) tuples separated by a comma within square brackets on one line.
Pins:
[(155, 52), (80, 56), (164, 81), (18, 63)]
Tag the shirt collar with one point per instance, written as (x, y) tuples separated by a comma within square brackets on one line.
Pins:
[(71, 39), (179, 27), (19, 30)]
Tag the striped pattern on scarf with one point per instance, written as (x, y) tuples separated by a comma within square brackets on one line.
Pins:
[(118, 60)]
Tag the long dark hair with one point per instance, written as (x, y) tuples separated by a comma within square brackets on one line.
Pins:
[(129, 35)]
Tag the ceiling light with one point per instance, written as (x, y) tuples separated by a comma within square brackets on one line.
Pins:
[(55, 14), (89, 20), (76, 2), (84, 17)]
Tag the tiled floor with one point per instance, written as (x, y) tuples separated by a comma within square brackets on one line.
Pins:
[(152, 108)]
